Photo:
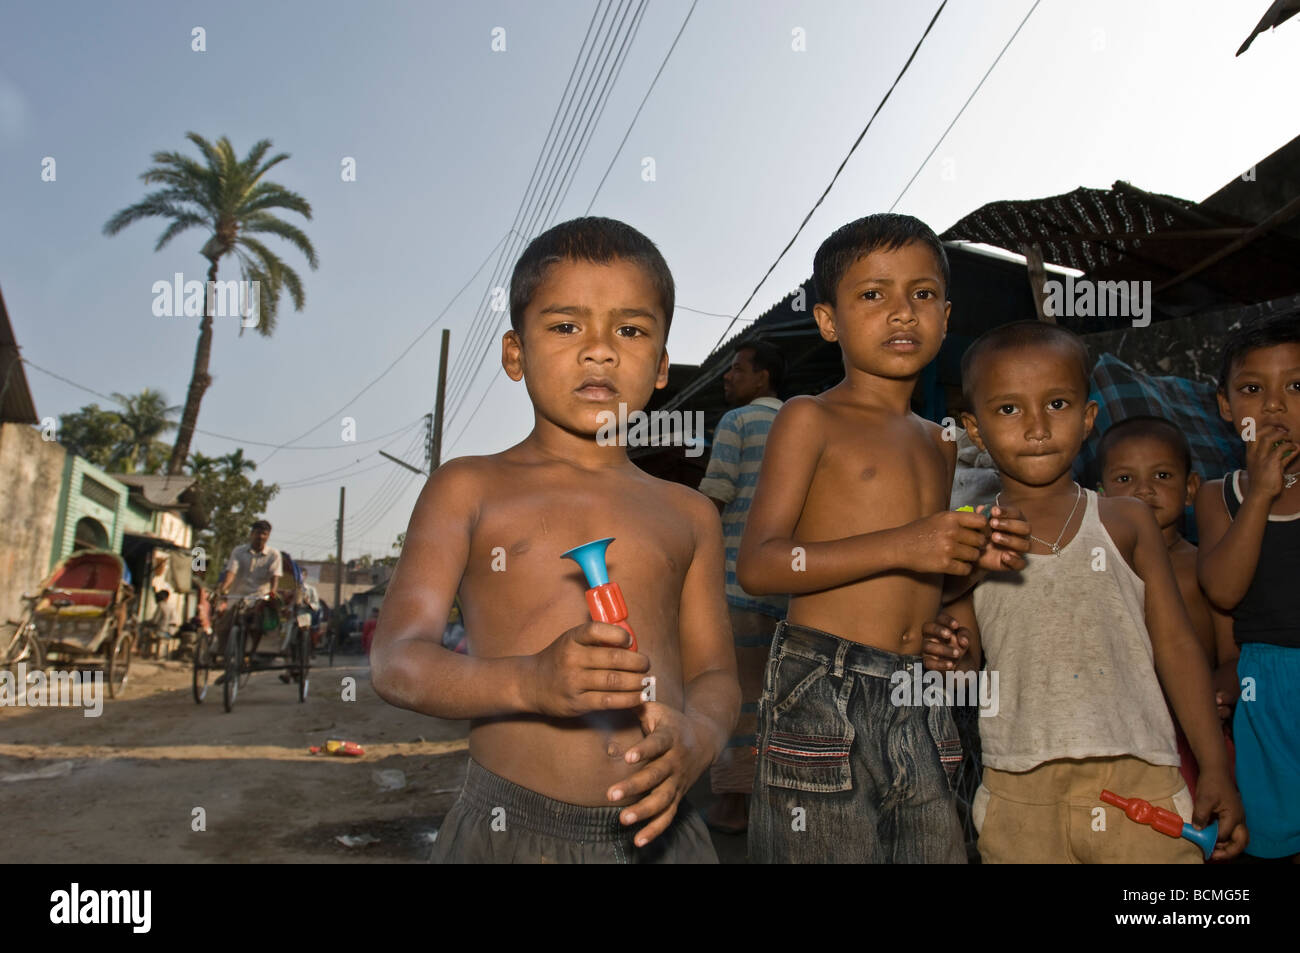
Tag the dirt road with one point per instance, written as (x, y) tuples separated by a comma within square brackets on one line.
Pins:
[(124, 787)]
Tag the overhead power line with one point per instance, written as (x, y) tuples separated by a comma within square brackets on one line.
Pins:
[(540, 210), (978, 85), (474, 332), (637, 114), (830, 185), (483, 401), (429, 327)]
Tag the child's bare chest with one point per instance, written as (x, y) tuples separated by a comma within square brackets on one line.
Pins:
[(897, 472), (525, 533)]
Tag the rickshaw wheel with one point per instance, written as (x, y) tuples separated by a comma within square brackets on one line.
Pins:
[(119, 664), (304, 662), (234, 663), (202, 666), (27, 650)]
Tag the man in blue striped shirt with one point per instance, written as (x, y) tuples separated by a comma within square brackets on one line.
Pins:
[(750, 386)]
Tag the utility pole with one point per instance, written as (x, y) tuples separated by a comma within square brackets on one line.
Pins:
[(428, 442), (338, 566), (442, 394)]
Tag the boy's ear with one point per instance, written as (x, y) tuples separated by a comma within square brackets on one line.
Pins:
[(972, 426), (1224, 410), (1193, 485), (512, 355), (1089, 418), (661, 380), (824, 315)]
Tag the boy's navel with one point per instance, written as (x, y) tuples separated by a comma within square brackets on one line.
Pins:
[(868, 473)]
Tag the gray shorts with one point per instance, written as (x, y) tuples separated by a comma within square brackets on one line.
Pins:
[(495, 821)]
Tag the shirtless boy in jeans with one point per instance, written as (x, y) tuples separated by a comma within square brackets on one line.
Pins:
[(850, 517)]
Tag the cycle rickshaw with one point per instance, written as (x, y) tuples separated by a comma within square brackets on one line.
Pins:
[(270, 633), (77, 619)]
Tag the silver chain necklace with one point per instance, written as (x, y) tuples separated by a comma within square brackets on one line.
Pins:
[(1056, 546), (1289, 480)]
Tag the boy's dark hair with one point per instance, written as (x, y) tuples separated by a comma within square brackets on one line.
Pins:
[(1279, 329), (592, 239), (261, 524), (1019, 334), (857, 239), (1145, 426), (766, 356)]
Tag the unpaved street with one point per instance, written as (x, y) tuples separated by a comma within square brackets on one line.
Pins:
[(123, 787)]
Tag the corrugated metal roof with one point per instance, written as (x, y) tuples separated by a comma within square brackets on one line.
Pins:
[(1196, 256)]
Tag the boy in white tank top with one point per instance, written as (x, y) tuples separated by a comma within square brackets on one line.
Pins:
[(1078, 637)]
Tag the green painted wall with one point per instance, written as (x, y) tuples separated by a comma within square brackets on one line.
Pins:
[(103, 500)]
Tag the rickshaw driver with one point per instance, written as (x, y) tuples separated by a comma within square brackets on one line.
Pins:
[(254, 569)]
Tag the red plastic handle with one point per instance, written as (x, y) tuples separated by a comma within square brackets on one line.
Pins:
[(607, 605), (1157, 818)]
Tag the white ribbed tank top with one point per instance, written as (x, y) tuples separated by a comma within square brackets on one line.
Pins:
[(1075, 673)]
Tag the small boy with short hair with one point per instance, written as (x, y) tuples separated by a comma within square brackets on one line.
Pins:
[(1077, 637), (1249, 526), (1148, 458), (850, 517), (569, 761)]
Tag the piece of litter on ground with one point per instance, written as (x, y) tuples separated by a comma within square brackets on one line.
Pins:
[(356, 840), (446, 791), (338, 747), (431, 836), (390, 779), (56, 770)]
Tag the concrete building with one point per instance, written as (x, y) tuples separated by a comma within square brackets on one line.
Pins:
[(31, 473)]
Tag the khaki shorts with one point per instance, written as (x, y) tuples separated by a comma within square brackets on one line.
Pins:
[(1054, 814)]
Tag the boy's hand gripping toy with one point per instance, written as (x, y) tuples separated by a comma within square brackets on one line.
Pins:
[(605, 598), (1166, 822)]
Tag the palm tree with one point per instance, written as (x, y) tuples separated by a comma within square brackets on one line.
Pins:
[(146, 418), (228, 197), (235, 463)]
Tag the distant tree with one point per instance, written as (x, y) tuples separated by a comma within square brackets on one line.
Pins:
[(93, 433), (391, 560), (146, 417), (156, 457), (233, 503)]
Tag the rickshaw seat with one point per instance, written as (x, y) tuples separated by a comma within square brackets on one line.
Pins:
[(84, 601), (83, 575)]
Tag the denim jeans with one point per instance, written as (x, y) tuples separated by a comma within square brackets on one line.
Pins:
[(844, 775)]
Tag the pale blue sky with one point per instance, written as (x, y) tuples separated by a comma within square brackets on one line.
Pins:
[(745, 133)]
